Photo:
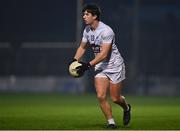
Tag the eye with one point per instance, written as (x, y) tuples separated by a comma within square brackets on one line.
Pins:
[(84, 14)]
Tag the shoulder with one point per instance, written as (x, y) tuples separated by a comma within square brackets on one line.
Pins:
[(107, 30)]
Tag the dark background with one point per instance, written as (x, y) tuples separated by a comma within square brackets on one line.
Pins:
[(147, 35)]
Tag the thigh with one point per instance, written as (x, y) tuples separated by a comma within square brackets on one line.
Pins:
[(101, 85), (115, 89)]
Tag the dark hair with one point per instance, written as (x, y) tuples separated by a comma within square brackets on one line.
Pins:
[(93, 9)]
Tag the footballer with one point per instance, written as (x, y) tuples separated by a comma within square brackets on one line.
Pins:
[(108, 64)]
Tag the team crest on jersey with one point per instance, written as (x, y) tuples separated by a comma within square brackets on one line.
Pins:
[(96, 48)]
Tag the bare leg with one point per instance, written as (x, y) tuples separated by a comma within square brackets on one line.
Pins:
[(102, 85), (115, 90), (120, 100)]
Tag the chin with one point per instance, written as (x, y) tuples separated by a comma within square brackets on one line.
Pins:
[(86, 23)]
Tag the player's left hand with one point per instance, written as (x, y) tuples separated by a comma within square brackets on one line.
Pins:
[(85, 66)]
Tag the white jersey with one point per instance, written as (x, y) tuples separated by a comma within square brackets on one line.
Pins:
[(103, 34)]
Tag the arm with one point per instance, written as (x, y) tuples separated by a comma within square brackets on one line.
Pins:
[(106, 47), (80, 51), (100, 57), (107, 39)]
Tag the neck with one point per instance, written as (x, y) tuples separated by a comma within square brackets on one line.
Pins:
[(94, 25)]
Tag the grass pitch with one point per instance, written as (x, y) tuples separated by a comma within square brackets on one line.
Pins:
[(56, 112)]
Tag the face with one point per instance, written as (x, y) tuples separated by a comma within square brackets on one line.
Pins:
[(88, 18)]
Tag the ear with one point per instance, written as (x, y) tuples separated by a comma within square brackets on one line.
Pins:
[(95, 17)]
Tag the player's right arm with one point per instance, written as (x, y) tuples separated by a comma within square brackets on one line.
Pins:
[(83, 45), (80, 51)]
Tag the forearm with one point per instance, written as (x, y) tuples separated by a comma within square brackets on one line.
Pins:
[(100, 57), (79, 53), (105, 50)]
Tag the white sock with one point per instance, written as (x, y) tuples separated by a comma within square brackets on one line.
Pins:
[(128, 108), (111, 121)]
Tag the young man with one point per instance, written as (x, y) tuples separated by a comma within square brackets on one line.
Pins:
[(109, 65)]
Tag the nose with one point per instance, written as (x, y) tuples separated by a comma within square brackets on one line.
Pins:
[(84, 17)]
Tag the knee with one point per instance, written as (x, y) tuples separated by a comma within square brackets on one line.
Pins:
[(115, 99), (101, 98)]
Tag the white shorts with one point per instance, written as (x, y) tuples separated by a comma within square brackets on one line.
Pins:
[(115, 77)]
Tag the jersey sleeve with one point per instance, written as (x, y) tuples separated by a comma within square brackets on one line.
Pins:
[(84, 37), (107, 36)]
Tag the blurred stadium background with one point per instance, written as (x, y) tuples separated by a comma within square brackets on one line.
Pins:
[(39, 38)]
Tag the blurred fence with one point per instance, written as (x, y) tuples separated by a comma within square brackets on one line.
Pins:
[(39, 38), (42, 84)]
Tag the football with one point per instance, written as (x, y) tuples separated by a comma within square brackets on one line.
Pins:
[(73, 70)]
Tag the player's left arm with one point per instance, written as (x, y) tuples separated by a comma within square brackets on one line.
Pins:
[(105, 50), (107, 39)]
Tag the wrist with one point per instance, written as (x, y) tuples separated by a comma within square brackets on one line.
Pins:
[(89, 65), (74, 59)]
